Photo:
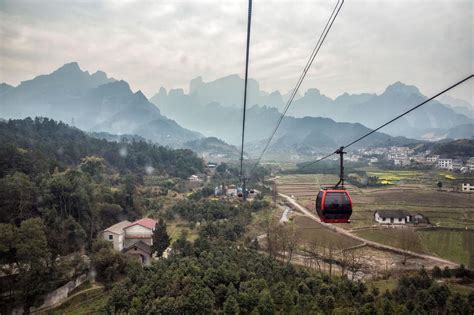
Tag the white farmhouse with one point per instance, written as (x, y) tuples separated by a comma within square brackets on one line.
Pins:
[(116, 234), (392, 216), (467, 187)]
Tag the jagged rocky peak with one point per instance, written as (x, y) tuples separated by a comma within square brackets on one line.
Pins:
[(195, 84), (69, 68), (176, 92), (401, 88), (162, 92)]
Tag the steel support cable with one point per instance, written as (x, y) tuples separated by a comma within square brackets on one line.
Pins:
[(313, 55), (249, 20), (392, 120)]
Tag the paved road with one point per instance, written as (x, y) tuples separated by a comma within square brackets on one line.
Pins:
[(377, 245)]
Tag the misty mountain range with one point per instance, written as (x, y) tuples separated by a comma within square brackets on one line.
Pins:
[(96, 103), (431, 122), (92, 102)]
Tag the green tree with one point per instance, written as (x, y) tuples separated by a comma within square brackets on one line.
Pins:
[(18, 197), (265, 303), (231, 307), (92, 165), (161, 239)]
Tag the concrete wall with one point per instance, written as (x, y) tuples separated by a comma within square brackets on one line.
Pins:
[(61, 293), (117, 240)]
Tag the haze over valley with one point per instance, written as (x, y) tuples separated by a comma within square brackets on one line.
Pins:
[(314, 124)]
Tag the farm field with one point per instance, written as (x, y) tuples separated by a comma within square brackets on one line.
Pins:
[(451, 211)]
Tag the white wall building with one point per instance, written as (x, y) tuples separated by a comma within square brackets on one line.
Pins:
[(432, 159), (392, 216), (116, 234), (445, 164), (467, 187)]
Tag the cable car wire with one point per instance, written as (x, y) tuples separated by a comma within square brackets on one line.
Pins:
[(313, 55), (394, 119), (249, 22)]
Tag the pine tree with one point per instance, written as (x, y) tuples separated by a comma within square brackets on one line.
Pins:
[(231, 306), (161, 239), (265, 303)]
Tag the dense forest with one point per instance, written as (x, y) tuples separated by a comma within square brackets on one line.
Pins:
[(215, 276)]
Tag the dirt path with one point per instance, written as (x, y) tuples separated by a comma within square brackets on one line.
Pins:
[(434, 259)]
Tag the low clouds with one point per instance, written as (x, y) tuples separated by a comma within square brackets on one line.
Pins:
[(167, 43)]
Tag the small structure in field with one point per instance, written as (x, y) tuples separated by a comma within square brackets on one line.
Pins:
[(399, 217), (467, 187), (392, 216)]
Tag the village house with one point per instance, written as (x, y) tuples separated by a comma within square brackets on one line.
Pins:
[(399, 217), (116, 234), (470, 164), (401, 162), (392, 216), (445, 164), (132, 238), (231, 191), (457, 165), (194, 178), (432, 159), (467, 187)]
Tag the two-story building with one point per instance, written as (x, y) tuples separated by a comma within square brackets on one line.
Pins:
[(445, 164), (116, 234), (133, 238)]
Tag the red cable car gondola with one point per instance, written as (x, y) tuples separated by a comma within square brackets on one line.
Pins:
[(335, 205)]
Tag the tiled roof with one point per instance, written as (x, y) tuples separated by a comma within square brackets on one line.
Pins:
[(146, 222), (393, 213), (141, 245), (117, 228)]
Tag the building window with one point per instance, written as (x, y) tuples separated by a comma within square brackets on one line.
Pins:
[(111, 237)]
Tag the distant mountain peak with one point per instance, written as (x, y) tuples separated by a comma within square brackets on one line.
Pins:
[(162, 91), (69, 67), (402, 88), (195, 84), (139, 95), (312, 91), (5, 86)]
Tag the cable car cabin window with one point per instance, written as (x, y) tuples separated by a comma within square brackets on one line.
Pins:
[(337, 201)]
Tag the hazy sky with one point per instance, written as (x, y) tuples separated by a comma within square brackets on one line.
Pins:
[(167, 43)]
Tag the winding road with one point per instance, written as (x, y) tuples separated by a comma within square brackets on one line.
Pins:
[(335, 228)]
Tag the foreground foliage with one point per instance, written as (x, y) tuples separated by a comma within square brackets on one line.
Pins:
[(215, 277)]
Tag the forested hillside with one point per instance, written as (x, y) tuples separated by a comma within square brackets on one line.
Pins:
[(41, 144), (58, 189)]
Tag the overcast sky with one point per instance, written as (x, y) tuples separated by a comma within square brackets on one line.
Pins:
[(167, 43)]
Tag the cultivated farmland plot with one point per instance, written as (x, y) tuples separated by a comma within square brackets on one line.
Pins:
[(451, 213)]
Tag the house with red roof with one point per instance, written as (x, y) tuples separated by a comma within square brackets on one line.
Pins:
[(133, 238), (140, 230)]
